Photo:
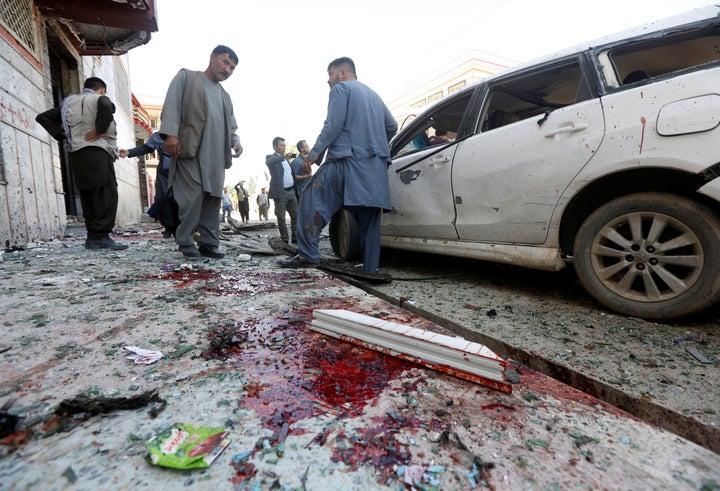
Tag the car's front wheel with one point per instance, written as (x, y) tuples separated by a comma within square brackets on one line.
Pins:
[(651, 255), (345, 235)]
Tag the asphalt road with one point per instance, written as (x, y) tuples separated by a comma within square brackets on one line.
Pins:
[(548, 322)]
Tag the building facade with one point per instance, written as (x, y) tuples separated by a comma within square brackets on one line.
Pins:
[(460, 72), (47, 49)]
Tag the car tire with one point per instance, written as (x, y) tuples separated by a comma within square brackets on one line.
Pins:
[(651, 255), (345, 236)]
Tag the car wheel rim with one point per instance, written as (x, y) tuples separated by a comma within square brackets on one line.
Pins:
[(647, 257)]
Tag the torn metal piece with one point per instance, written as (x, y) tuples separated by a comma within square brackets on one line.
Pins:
[(452, 355), (698, 356)]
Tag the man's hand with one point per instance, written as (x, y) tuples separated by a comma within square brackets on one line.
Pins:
[(93, 135), (123, 153), (307, 165), (172, 146), (238, 150)]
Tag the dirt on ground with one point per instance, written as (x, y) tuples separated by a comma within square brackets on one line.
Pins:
[(303, 411), (665, 373)]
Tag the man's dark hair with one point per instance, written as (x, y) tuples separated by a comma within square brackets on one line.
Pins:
[(221, 49), (94, 83), (299, 144), (343, 62), (277, 140)]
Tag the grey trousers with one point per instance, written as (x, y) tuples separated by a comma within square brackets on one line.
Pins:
[(197, 210), (287, 204)]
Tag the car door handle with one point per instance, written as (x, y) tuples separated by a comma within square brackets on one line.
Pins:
[(439, 160), (571, 128)]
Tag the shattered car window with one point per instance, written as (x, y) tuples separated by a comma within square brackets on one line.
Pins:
[(447, 118), (656, 57), (535, 93)]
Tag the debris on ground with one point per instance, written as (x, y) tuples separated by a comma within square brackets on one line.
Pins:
[(448, 354), (143, 356), (92, 405), (187, 446)]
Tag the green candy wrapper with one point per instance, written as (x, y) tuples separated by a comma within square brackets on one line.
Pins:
[(186, 446)]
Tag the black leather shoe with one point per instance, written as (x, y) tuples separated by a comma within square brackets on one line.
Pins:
[(296, 262), (104, 243), (189, 251), (208, 250)]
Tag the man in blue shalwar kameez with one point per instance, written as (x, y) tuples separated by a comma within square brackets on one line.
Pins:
[(355, 134)]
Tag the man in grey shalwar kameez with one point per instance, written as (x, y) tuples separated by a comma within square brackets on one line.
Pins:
[(356, 133), (198, 124)]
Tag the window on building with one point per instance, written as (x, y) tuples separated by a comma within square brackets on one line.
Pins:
[(153, 123), (456, 87), (435, 96), (419, 103), (17, 17)]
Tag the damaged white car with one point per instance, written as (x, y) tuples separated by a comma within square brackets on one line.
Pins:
[(605, 156)]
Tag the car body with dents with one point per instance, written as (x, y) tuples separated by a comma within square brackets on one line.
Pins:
[(605, 156)]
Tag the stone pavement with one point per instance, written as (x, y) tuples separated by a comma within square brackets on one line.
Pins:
[(303, 411)]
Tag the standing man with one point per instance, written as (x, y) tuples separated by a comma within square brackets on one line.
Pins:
[(282, 189), (299, 177), (226, 204), (198, 124), (263, 203), (356, 133), (86, 122), (243, 201), (164, 207)]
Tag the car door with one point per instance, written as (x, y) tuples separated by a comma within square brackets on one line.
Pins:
[(421, 172), (535, 132)]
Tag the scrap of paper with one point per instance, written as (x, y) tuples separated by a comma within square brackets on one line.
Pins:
[(143, 356)]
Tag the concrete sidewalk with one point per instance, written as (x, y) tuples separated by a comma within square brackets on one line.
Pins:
[(304, 411)]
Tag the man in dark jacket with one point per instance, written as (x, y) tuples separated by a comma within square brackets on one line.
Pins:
[(282, 189), (164, 208)]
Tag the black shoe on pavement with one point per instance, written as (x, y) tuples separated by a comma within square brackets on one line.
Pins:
[(208, 250), (296, 262), (189, 251), (104, 243)]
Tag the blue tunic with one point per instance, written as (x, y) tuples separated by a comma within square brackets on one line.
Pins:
[(357, 129), (356, 133)]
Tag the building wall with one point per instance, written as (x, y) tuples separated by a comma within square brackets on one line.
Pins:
[(32, 202), (465, 70)]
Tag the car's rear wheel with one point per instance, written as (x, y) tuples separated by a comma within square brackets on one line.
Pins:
[(651, 255), (345, 236)]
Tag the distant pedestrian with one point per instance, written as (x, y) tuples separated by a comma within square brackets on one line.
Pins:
[(86, 123), (300, 178), (199, 126), (263, 202), (243, 201), (282, 189), (227, 206), (356, 133)]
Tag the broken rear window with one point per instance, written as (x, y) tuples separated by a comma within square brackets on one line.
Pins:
[(660, 56)]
